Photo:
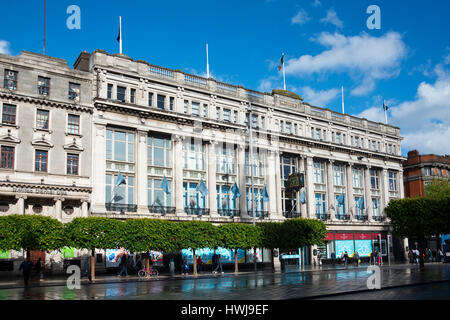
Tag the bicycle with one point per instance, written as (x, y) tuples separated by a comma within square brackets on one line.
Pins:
[(148, 273)]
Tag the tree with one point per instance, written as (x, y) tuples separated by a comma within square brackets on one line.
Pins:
[(300, 232), (270, 237), (418, 218), (143, 235), (236, 236), (195, 235), (437, 190), (30, 232), (95, 233)]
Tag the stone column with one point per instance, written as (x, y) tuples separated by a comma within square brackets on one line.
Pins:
[(58, 208), (84, 208), (350, 198), (178, 174), (99, 168), (384, 186), (401, 187), (279, 208), (330, 190), (271, 183), (211, 165), (21, 203), (367, 193), (309, 185), (301, 206), (242, 178), (141, 173)]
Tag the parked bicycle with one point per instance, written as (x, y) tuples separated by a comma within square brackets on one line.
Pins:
[(148, 273)]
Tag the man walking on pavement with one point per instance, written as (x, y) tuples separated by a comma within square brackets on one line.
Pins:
[(124, 265), (26, 266), (346, 259), (219, 265)]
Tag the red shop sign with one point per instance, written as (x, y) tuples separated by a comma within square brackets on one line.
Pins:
[(330, 236), (363, 236), (375, 235), (344, 236)]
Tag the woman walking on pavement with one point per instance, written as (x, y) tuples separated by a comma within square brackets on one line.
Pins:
[(219, 264)]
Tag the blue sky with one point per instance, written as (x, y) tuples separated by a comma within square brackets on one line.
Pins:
[(326, 44)]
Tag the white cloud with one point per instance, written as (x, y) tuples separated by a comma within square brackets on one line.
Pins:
[(365, 58), (316, 3), (301, 17), (4, 47), (425, 121), (267, 84), (332, 18), (319, 98)]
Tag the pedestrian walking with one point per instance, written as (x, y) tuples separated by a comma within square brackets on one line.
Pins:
[(410, 256), (356, 258), (199, 263), (219, 265), (185, 267), (38, 268), (333, 258), (439, 255), (87, 269), (214, 261), (430, 255), (26, 267), (345, 259), (123, 265), (319, 259)]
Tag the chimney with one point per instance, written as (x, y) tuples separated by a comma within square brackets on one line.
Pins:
[(82, 62)]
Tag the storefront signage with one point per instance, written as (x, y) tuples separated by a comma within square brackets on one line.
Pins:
[(40, 191), (4, 254), (344, 236), (68, 252)]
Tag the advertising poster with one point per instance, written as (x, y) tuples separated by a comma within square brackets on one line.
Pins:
[(342, 246), (364, 247), (250, 254), (113, 257), (4, 254), (207, 253)]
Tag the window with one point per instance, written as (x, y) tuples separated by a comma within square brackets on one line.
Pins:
[(225, 159), (121, 93), (357, 142), (43, 86), (374, 179), (318, 134), (7, 157), (374, 145), (171, 103), (427, 171), (73, 124), (196, 109), (258, 202), (227, 115), (186, 106), (205, 110), (338, 138), (150, 99), (254, 121), (132, 95), (376, 206), (119, 145), (235, 117), (389, 148), (340, 208), (224, 198), (9, 114), (217, 113), (288, 166), (41, 160), (72, 164), (110, 89), (74, 91), (42, 119), (339, 175), (358, 210), (192, 198), (319, 172), (119, 194), (194, 155), (288, 127), (160, 101), (159, 151), (10, 81), (320, 203), (357, 178), (392, 180), (258, 164), (156, 195)]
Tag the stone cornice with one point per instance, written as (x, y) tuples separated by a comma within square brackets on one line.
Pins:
[(44, 186)]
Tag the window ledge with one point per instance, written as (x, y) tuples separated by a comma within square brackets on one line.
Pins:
[(73, 134), (9, 125), (43, 130)]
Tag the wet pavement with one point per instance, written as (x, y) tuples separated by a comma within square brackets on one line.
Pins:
[(249, 286)]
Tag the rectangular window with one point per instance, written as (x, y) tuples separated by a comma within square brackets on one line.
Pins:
[(110, 89), (44, 86), (340, 208), (42, 119), (9, 114), (376, 206), (186, 106), (132, 95), (41, 161), (10, 80), (357, 178), (225, 159), (224, 198), (121, 91), (339, 175), (227, 115), (320, 203), (192, 198), (392, 181), (427, 171), (160, 101), (73, 124), (258, 164), (217, 113), (7, 157), (258, 201), (196, 109), (194, 156), (255, 121), (159, 151), (72, 164), (74, 91), (171, 103), (318, 134), (319, 172), (374, 179), (119, 145), (205, 110), (150, 99), (235, 116), (338, 138), (119, 194), (288, 127), (156, 195), (357, 142)]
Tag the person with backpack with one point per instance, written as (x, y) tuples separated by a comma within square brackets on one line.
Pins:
[(123, 265)]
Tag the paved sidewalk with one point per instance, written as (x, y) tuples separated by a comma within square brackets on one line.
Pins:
[(61, 280)]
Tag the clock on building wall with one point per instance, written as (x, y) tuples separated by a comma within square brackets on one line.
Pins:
[(296, 181)]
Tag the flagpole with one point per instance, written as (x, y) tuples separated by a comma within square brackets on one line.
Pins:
[(207, 62), (385, 112), (120, 40), (342, 92), (284, 74)]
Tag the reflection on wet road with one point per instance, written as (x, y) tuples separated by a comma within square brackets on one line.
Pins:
[(230, 287)]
